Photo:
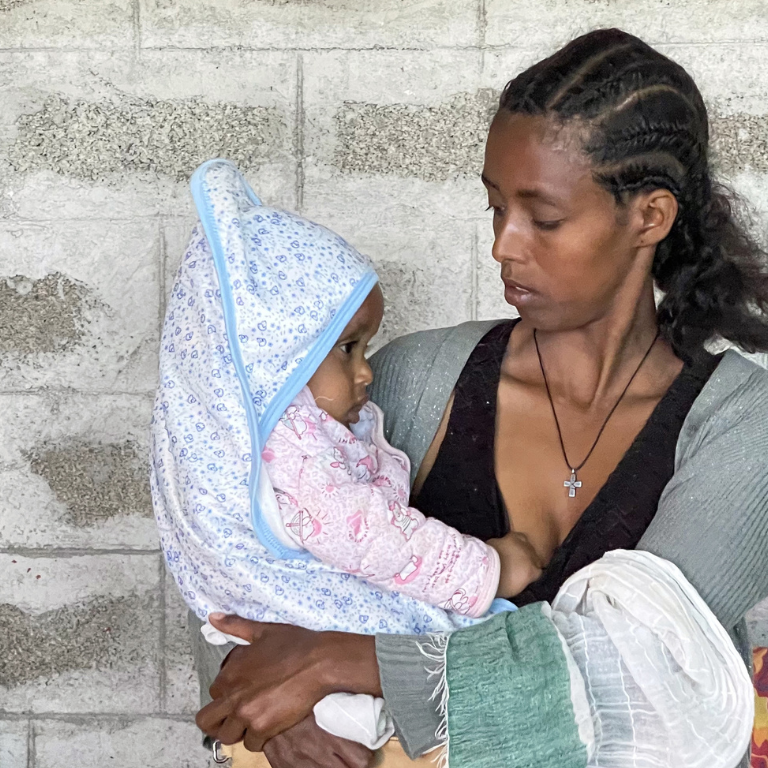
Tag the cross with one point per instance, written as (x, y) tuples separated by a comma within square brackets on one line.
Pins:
[(572, 484)]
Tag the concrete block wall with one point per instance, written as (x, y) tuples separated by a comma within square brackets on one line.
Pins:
[(369, 117)]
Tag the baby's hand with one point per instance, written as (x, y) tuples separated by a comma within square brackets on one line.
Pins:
[(520, 565)]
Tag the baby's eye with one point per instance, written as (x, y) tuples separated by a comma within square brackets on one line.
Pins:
[(347, 347)]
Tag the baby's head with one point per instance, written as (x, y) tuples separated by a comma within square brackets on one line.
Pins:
[(339, 384)]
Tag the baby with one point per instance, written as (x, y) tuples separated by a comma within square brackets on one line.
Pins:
[(342, 492), (276, 494)]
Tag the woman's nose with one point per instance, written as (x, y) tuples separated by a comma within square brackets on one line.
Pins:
[(507, 245)]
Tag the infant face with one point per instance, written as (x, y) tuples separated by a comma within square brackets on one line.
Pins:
[(339, 384)]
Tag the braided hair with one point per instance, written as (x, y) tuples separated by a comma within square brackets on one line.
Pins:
[(647, 128)]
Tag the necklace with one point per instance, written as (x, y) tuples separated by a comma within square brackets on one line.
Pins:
[(574, 483)]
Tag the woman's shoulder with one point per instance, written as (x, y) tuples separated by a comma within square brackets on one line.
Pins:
[(733, 402), (712, 520), (408, 362), (413, 377), (424, 344)]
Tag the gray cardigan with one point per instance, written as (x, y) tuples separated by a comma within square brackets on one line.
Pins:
[(712, 520)]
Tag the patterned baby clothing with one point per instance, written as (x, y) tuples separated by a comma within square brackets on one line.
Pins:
[(343, 495), (260, 299)]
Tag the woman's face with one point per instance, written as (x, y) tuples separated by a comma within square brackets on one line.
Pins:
[(564, 246)]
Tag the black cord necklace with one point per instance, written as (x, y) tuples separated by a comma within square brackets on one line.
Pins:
[(573, 483)]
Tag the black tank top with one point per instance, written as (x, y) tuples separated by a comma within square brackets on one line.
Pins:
[(461, 489)]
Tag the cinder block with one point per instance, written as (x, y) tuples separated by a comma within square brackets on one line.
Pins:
[(532, 23), (502, 65), (114, 137), (142, 743), (310, 23), (79, 634), (182, 690), (14, 738), (354, 99), (424, 263), (79, 305), (741, 142), (107, 24), (74, 472), (394, 148), (490, 290), (432, 143), (408, 114)]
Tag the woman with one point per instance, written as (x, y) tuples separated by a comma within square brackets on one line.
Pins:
[(597, 422)]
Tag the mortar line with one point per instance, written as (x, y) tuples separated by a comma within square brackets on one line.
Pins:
[(163, 681), (385, 49), (163, 286), (299, 135), (474, 278), (60, 391), (23, 222), (33, 552), (30, 744), (482, 24), (137, 27), (86, 718)]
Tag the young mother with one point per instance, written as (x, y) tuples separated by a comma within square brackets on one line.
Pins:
[(596, 422)]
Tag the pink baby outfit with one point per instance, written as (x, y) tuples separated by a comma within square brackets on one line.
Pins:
[(343, 496)]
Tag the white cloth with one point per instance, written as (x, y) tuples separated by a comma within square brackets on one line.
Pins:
[(665, 684), (357, 717)]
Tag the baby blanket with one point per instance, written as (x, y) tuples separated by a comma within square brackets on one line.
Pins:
[(261, 297)]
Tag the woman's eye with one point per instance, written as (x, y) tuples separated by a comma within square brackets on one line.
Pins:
[(496, 211), (547, 226)]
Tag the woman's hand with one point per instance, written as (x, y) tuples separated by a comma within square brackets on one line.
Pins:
[(270, 685), (307, 745)]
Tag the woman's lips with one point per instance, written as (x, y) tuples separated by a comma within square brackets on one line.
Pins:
[(515, 293)]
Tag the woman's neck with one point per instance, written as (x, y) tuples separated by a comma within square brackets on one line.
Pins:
[(589, 365)]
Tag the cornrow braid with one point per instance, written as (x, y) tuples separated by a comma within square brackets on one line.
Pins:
[(647, 128)]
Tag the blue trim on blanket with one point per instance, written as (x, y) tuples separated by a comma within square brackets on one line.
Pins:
[(320, 350), (500, 605), (259, 430)]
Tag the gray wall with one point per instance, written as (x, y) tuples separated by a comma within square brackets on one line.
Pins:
[(371, 121)]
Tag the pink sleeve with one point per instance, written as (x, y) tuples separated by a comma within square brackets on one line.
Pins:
[(362, 529)]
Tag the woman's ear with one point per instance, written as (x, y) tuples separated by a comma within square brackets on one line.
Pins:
[(657, 213)]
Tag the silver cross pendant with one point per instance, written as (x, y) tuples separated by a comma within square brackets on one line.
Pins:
[(572, 484)]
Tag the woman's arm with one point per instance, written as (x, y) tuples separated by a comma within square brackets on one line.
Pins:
[(712, 520), (273, 683), (556, 687), (404, 678), (307, 745)]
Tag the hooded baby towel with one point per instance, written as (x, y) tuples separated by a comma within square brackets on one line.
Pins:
[(260, 299)]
